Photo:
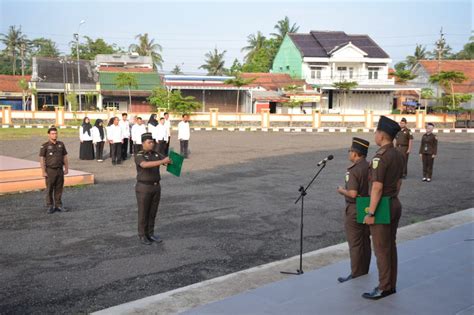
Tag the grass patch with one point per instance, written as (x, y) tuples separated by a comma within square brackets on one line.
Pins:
[(25, 133)]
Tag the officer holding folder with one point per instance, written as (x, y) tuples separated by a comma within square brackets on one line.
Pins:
[(385, 175)]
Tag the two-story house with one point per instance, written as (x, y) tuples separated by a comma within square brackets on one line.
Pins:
[(323, 58)]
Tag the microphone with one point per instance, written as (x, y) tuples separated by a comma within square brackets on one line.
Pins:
[(328, 158)]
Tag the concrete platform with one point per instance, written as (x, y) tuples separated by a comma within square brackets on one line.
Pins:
[(17, 175), (436, 276)]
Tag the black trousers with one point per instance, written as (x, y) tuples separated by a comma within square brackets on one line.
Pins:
[(167, 147), (125, 149), (99, 150), (132, 146), (137, 148), (86, 150), (116, 153), (183, 148), (161, 147), (148, 200), (54, 186), (428, 162)]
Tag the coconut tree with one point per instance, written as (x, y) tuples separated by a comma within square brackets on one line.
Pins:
[(255, 42), (283, 27), (239, 82), (177, 70), (420, 54), (345, 87), (214, 62), (447, 80), (13, 41), (128, 80), (148, 47)]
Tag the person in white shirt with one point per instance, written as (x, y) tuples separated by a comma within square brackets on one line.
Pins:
[(137, 130), (168, 129), (161, 137), (132, 122), (184, 134), (86, 150), (125, 125), (98, 138), (114, 135), (152, 123)]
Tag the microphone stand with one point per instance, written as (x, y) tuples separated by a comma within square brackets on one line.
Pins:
[(303, 193)]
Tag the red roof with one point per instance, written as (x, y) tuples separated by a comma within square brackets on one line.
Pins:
[(9, 83), (123, 69), (465, 66), (271, 81)]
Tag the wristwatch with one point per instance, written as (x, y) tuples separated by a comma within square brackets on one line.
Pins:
[(370, 214)]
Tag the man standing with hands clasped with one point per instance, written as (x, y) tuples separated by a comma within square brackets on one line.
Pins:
[(385, 175), (404, 141), (428, 151), (53, 158), (148, 189)]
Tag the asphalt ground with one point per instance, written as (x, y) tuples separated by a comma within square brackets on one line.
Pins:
[(233, 208)]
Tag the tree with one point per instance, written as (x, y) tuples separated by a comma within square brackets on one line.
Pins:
[(404, 75), (282, 28), (345, 87), (236, 68), (44, 47), (148, 47), (174, 100), (177, 70), (467, 53), (160, 97), (239, 82), (128, 80), (72, 99), (13, 41), (92, 48), (255, 43), (262, 59), (420, 54), (447, 80), (214, 63)]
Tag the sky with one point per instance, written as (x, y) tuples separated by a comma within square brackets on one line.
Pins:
[(188, 29)]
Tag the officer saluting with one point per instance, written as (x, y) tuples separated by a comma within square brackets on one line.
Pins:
[(53, 157), (428, 151), (357, 184), (148, 189), (385, 176), (404, 140)]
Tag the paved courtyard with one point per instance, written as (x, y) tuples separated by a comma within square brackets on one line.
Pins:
[(231, 209)]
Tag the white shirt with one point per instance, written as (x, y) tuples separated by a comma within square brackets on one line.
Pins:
[(114, 134), (137, 131), (125, 125), (183, 131), (96, 135), (161, 133), (168, 126), (150, 128), (84, 136)]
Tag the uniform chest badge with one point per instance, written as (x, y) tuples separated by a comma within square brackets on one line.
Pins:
[(50, 147), (59, 145), (50, 153), (375, 163), (156, 155), (347, 177)]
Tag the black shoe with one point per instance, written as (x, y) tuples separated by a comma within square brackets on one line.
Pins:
[(51, 210), (404, 177), (155, 238), (144, 240), (60, 209), (377, 294), (344, 279), (114, 163)]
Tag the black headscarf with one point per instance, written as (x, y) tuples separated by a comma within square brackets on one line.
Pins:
[(153, 120), (111, 121), (101, 128), (86, 127)]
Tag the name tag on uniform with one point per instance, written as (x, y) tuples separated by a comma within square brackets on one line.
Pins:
[(50, 153), (426, 148)]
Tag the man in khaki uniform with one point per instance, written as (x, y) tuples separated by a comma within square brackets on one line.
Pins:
[(428, 151), (53, 158), (385, 177), (357, 184), (404, 141)]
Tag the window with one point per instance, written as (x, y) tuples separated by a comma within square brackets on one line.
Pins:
[(313, 74), (373, 73), (351, 73), (342, 72), (316, 72)]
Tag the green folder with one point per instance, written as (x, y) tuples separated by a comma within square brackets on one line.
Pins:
[(382, 214), (175, 167)]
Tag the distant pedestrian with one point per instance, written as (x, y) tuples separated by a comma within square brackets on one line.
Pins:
[(168, 131), (125, 125), (137, 130), (114, 135), (161, 138), (86, 150), (98, 138), (404, 142), (184, 133), (428, 151)]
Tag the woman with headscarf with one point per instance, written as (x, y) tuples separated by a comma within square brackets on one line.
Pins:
[(98, 138), (152, 126), (86, 151)]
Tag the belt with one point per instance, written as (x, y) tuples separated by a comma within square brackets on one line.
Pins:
[(402, 145), (55, 168), (150, 183)]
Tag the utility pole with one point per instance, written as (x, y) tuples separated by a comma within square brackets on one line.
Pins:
[(78, 64), (22, 56), (440, 48)]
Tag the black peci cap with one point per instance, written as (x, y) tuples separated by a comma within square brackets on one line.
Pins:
[(391, 127), (360, 145), (403, 120), (146, 136)]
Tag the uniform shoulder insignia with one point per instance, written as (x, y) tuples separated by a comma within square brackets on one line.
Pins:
[(381, 151), (375, 162), (347, 176)]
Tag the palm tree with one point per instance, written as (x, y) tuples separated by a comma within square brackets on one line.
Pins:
[(129, 80), (148, 47), (283, 27), (447, 80), (420, 54), (255, 42), (345, 87), (239, 82), (13, 40), (177, 70), (214, 62)]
